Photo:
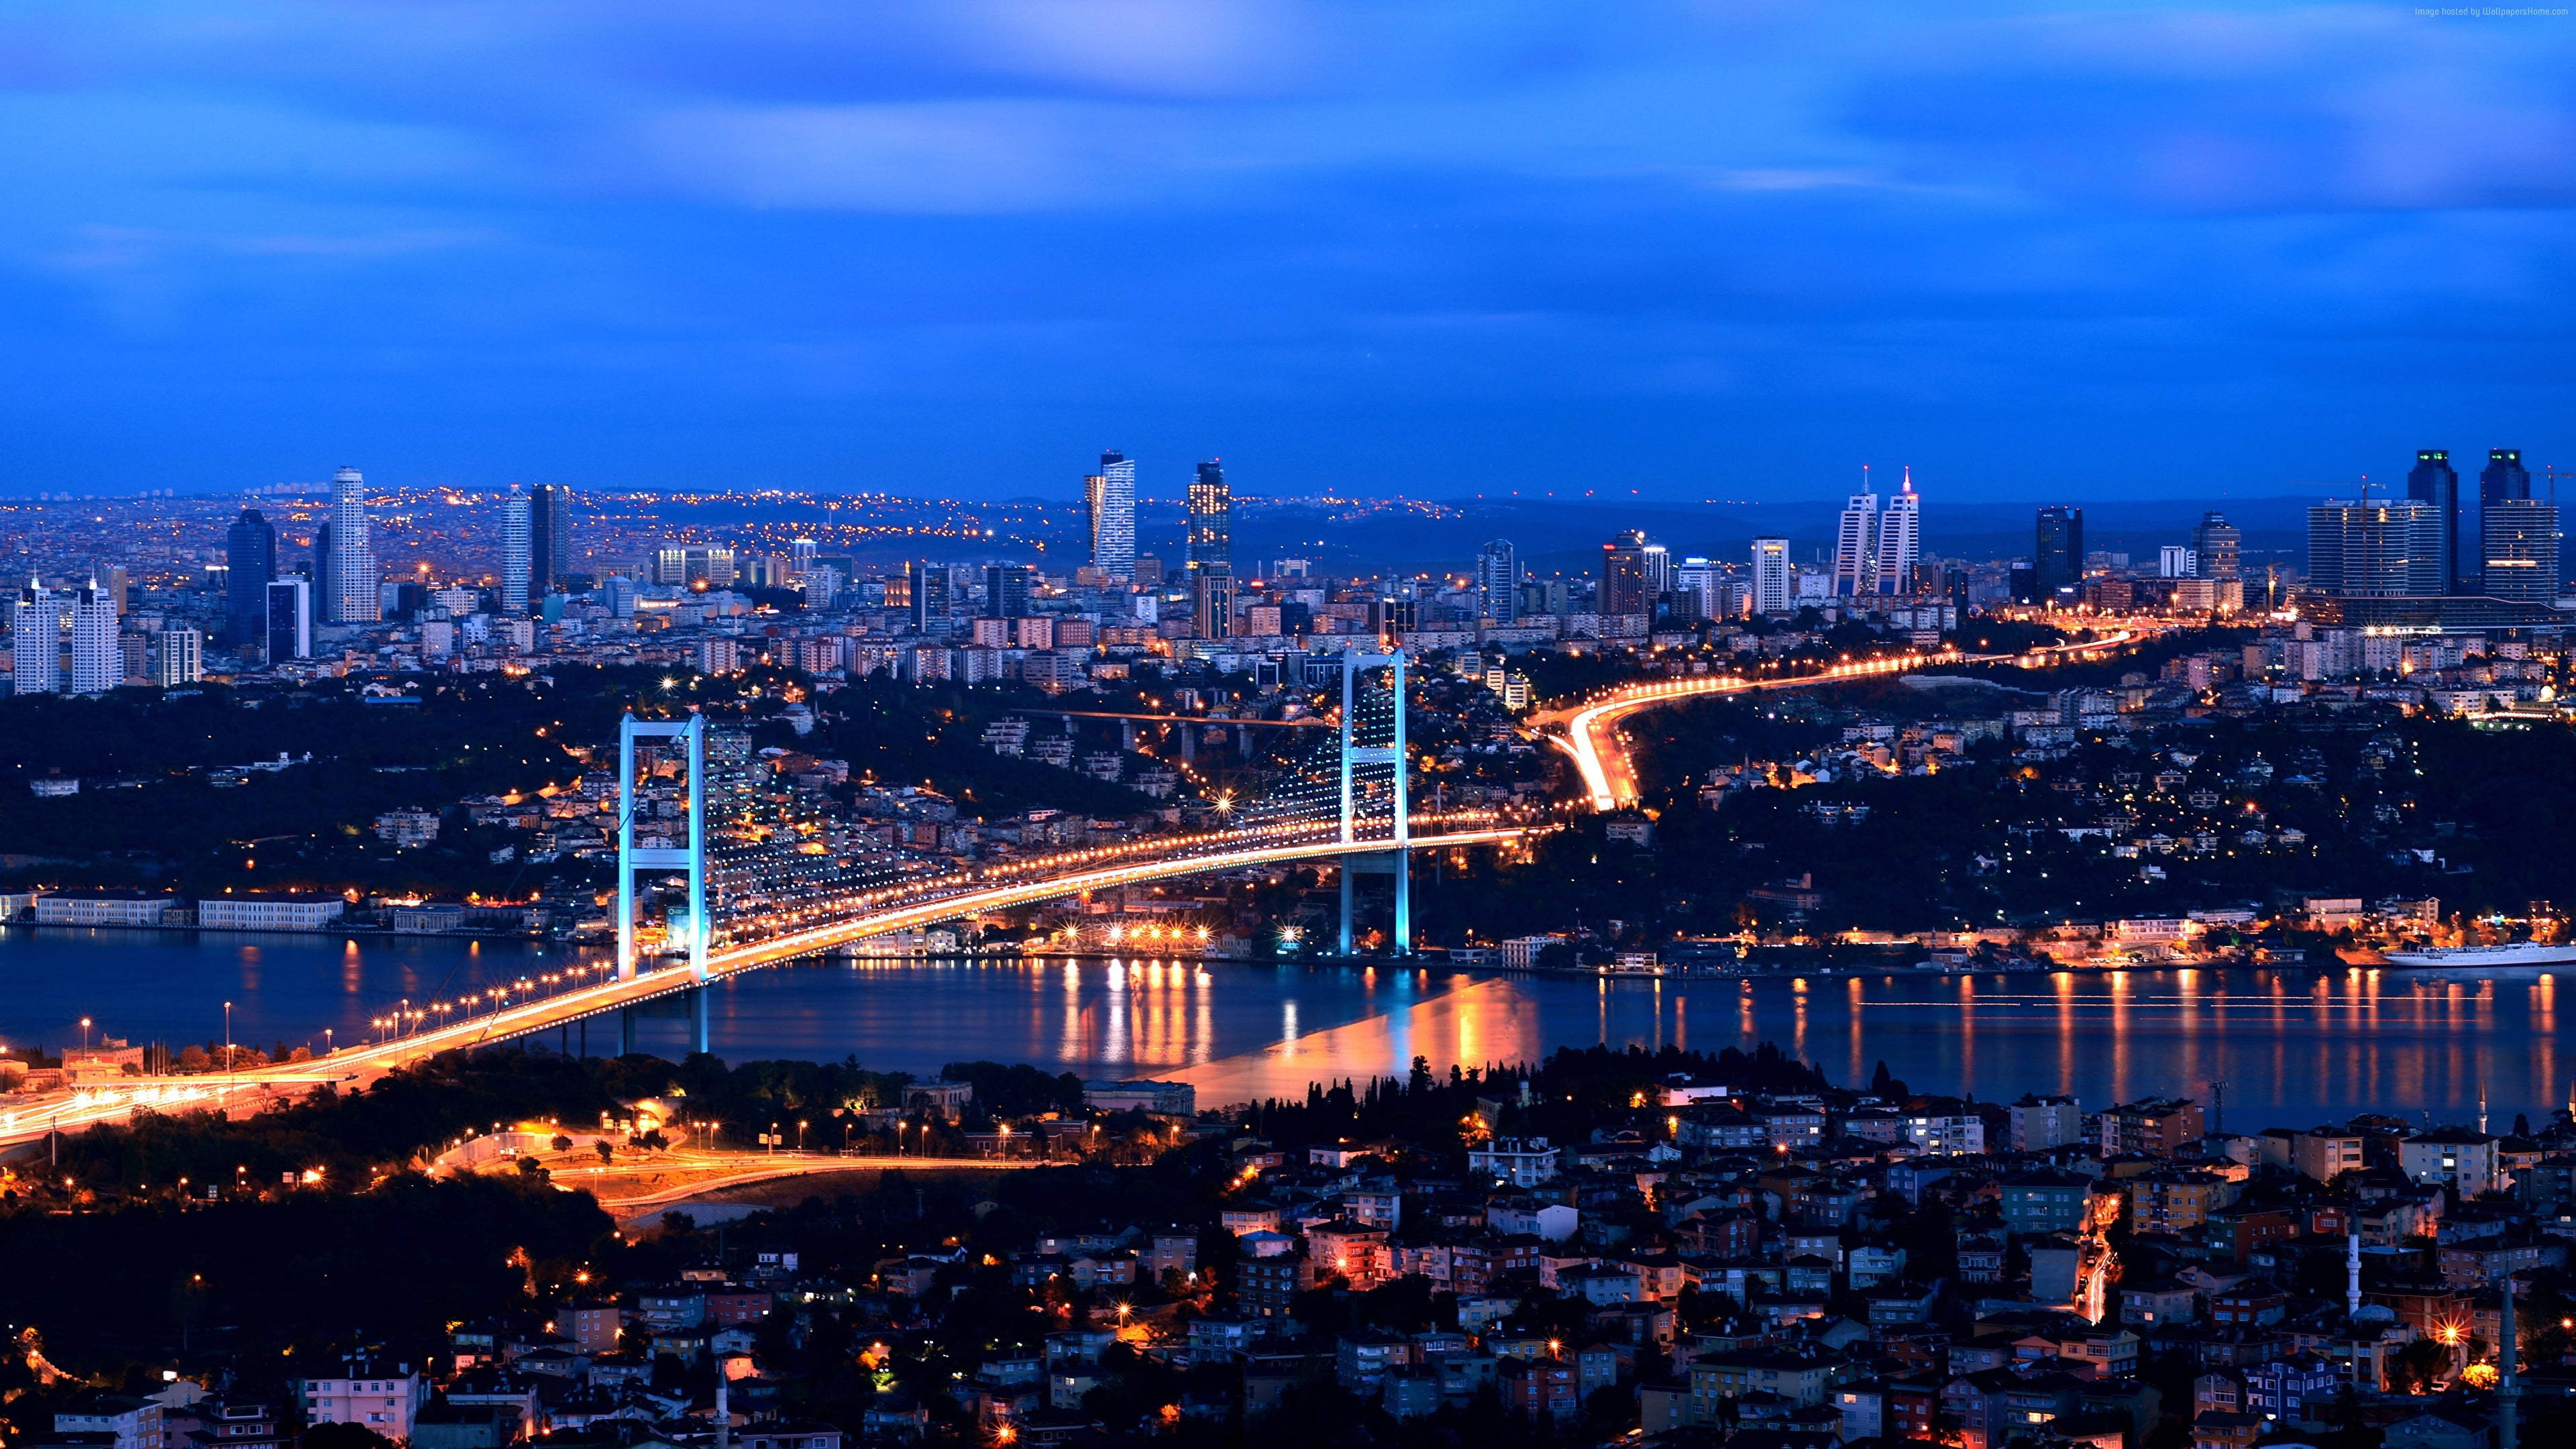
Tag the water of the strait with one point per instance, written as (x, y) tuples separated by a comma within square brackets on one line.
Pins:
[(2291, 1046)]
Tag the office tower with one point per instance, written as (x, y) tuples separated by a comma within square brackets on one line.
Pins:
[(2057, 565), (2504, 479), (1856, 547), (1703, 583), (289, 621), (1212, 600), (2518, 550), (1498, 581), (926, 587), (550, 555), (689, 567), (322, 573), (2218, 548), (800, 557), (352, 597), (515, 552), (182, 658), (1900, 539), (1775, 582), (2434, 482), (2375, 550), (1626, 587), (250, 561), (1006, 591), (1211, 517), (36, 640), (2173, 561), (98, 665), (1109, 497)]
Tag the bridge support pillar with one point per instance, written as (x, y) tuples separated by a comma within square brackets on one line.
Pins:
[(698, 1016), (1346, 905), (626, 1031)]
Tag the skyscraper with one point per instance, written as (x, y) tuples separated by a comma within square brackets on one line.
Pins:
[(290, 620), (927, 585), (2218, 549), (1625, 586), (180, 658), (1006, 591), (516, 558), (1900, 539), (2504, 479), (2435, 483), (98, 664), (1775, 583), (1498, 581), (2057, 566), (1856, 547), (36, 640), (1212, 599), (2375, 550), (353, 597), (1211, 516), (550, 555), (1109, 497), (250, 561), (2518, 550)]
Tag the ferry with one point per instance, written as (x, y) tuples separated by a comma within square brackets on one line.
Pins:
[(2519, 953)]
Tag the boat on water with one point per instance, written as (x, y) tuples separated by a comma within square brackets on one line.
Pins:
[(2519, 953)]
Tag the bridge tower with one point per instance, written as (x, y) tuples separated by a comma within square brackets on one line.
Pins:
[(1354, 754), (692, 859)]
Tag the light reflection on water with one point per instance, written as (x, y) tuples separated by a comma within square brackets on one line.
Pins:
[(2292, 1046)]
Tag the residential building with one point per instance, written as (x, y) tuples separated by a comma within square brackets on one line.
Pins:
[(517, 556), (98, 664), (1006, 591), (2518, 550), (2045, 1200), (383, 1397), (1522, 1162), (2453, 1157), (134, 1422), (36, 641), (2156, 1127), (2375, 550), (1498, 582), (179, 657), (2039, 1123), (1211, 518)]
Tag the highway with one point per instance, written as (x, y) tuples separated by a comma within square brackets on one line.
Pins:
[(998, 890), (1610, 776)]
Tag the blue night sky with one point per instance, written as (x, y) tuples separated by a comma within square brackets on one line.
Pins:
[(1696, 250)]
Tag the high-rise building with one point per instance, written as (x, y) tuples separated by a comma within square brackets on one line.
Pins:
[(689, 567), (800, 557), (550, 555), (353, 596), (1856, 547), (250, 561), (2218, 548), (1498, 581), (2504, 479), (1006, 591), (1212, 600), (517, 559), (1775, 579), (2375, 550), (36, 640), (926, 586), (289, 621), (2435, 483), (1211, 505), (1109, 499), (1627, 586), (1900, 539), (98, 664), (2518, 550), (2057, 565), (2173, 561), (1702, 583), (181, 658)]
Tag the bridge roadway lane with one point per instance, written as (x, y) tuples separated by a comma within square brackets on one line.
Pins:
[(24, 1126), (1610, 777)]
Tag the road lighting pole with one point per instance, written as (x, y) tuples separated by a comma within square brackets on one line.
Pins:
[(228, 1038)]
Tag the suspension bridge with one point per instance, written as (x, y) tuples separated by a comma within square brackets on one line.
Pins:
[(722, 869)]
